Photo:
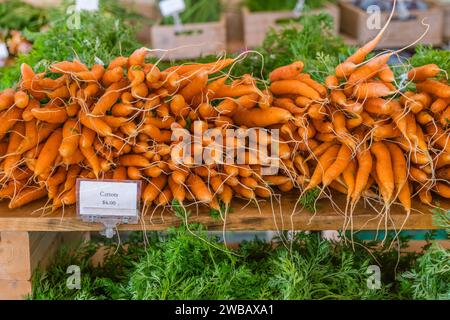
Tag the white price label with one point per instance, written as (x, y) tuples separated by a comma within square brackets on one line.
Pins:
[(108, 198), (3, 51), (171, 7), (89, 5)]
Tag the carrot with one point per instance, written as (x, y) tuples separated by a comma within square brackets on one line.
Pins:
[(400, 171), (363, 173), (178, 190), (21, 100), (282, 87), (68, 67), (439, 105), (7, 99), (380, 106), (349, 177), (137, 57), (50, 114), (178, 106), (384, 170), (345, 69), (198, 85), (370, 69), (12, 159), (154, 188), (442, 189), (8, 118), (153, 172), (344, 156), (118, 62), (244, 192), (289, 105), (112, 76), (92, 159), (134, 173), (134, 160), (199, 188), (321, 89), (385, 131), (228, 91), (371, 90), (71, 137), (57, 178), (261, 117), (287, 72), (27, 195), (108, 99), (331, 82), (227, 107), (120, 173), (49, 153), (434, 87), (95, 123), (386, 74), (423, 72)]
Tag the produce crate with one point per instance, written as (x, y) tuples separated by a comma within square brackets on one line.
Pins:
[(445, 7), (399, 33), (21, 252), (195, 40), (256, 24)]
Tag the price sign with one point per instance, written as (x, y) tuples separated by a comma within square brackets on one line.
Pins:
[(298, 8), (110, 202), (171, 7), (89, 5), (4, 54)]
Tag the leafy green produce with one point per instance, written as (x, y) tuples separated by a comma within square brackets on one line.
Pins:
[(18, 15), (198, 11), (430, 277), (427, 54), (99, 36), (314, 44), (281, 5), (186, 263)]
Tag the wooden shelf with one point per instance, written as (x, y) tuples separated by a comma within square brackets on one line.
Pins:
[(244, 217)]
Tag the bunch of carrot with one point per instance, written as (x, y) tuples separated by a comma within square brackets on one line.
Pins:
[(362, 136), (357, 133), (117, 123)]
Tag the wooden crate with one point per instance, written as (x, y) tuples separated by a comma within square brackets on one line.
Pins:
[(195, 40), (21, 253), (445, 7), (256, 24), (399, 33)]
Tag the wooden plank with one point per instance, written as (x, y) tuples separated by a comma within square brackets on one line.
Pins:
[(15, 256), (14, 289), (266, 216), (400, 32), (195, 40), (257, 24)]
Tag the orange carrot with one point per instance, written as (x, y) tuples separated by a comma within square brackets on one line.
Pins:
[(343, 157), (294, 87), (423, 72), (96, 124), (49, 153), (384, 170), (8, 118), (287, 72)]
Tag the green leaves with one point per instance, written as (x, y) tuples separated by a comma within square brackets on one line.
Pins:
[(187, 263), (314, 43), (100, 35)]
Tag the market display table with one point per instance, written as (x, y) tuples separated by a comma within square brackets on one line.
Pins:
[(29, 236)]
